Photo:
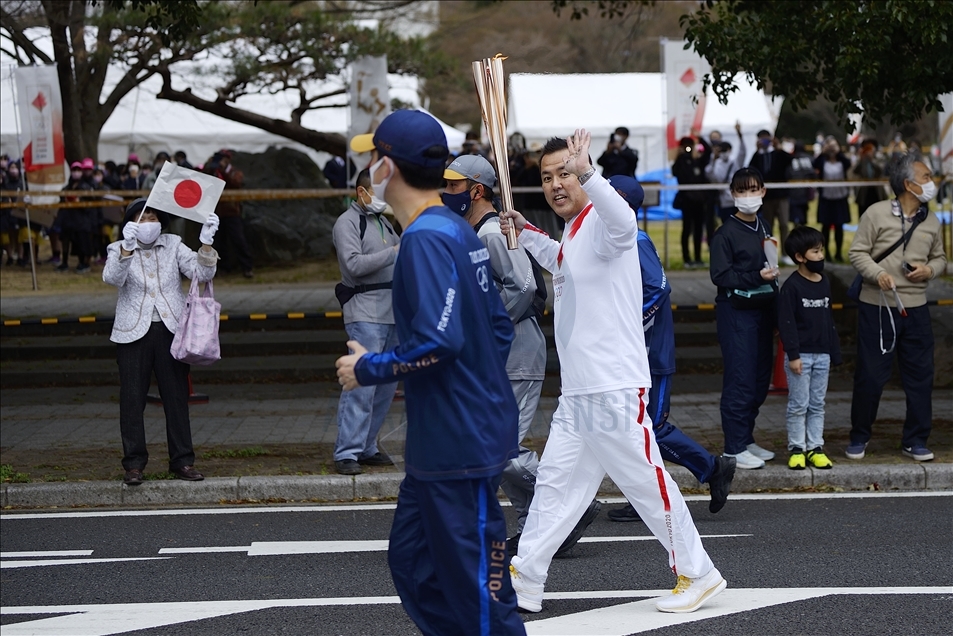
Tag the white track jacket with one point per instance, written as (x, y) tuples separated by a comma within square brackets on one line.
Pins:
[(597, 287)]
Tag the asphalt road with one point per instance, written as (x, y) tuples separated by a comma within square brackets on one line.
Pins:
[(803, 564)]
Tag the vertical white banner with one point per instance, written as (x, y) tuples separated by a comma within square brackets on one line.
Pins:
[(41, 115), (684, 71), (946, 134), (370, 101)]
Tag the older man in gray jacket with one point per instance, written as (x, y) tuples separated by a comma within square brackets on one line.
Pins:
[(366, 246)]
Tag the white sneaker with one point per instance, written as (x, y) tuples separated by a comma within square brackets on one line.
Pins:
[(690, 594), (760, 453), (746, 460), (529, 597)]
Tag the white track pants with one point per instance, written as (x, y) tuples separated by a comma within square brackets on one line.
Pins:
[(592, 435)]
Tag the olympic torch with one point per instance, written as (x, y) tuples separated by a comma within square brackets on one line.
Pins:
[(491, 93)]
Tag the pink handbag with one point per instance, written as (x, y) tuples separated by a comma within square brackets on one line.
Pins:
[(196, 338)]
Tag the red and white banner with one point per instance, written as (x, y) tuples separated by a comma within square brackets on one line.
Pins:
[(684, 71), (187, 193), (41, 119)]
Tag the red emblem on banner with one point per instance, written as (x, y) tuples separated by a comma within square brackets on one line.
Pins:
[(187, 194), (39, 102), (688, 77)]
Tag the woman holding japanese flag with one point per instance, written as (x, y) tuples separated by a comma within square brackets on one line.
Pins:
[(147, 266)]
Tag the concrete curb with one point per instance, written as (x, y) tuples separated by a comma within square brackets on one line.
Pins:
[(326, 488)]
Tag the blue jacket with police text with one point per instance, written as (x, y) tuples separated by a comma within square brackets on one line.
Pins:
[(657, 321), (455, 337)]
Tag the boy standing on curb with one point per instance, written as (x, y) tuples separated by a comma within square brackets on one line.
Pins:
[(811, 346)]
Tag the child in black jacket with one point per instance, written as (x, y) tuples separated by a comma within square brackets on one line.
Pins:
[(811, 346)]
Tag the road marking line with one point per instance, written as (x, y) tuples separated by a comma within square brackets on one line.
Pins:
[(32, 564), (106, 619), (641, 616), (277, 548), (226, 548), (652, 538), (14, 516), (44, 553)]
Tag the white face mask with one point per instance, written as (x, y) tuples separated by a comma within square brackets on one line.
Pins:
[(149, 232), (380, 188), (929, 191), (748, 205), (376, 206)]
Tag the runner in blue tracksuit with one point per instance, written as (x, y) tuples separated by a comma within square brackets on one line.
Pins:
[(447, 553), (659, 328)]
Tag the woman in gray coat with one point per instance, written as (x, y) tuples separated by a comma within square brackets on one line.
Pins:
[(147, 266)]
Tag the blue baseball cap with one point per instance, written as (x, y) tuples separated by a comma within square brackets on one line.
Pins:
[(629, 189), (406, 135)]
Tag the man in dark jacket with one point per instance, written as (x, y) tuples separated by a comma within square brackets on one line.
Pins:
[(232, 230), (774, 165), (447, 552), (618, 157)]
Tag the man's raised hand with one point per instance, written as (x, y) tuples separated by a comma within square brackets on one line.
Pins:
[(578, 161)]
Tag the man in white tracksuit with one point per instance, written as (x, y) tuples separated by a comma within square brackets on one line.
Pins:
[(601, 424)]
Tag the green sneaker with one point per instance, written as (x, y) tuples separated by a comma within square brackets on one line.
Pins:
[(797, 461), (818, 459)]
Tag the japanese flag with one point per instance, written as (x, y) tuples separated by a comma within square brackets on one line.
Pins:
[(186, 193)]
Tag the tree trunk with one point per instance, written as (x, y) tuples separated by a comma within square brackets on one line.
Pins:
[(57, 14), (327, 142)]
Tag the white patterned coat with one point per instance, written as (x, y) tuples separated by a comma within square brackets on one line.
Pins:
[(150, 279)]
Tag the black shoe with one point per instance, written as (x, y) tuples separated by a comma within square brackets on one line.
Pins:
[(720, 482), (187, 473), (347, 467), (587, 518), (132, 477), (377, 459), (513, 544), (625, 513)]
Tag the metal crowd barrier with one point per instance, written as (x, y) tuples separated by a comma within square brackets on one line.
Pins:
[(301, 315)]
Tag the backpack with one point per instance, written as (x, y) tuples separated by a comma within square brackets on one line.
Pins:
[(538, 308)]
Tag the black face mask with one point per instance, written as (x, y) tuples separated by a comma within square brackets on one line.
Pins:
[(815, 267)]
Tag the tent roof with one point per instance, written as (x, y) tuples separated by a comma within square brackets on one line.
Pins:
[(547, 105)]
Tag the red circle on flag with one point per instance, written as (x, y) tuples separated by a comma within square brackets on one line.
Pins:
[(188, 194)]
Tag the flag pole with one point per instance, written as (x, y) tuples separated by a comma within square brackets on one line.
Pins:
[(26, 206)]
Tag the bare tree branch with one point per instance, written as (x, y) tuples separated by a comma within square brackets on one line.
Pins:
[(14, 54), (327, 142), (15, 33)]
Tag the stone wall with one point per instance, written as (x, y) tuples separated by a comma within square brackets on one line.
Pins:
[(290, 229)]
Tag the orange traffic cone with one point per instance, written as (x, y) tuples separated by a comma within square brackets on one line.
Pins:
[(779, 380)]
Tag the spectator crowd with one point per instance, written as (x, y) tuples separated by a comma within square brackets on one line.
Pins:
[(80, 235)]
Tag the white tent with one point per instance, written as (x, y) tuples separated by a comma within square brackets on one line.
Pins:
[(543, 106), (144, 124)]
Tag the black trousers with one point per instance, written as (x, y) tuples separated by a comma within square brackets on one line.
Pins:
[(693, 224), (746, 337), (137, 360), (914, 337), (80, 241), (231, 244)]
